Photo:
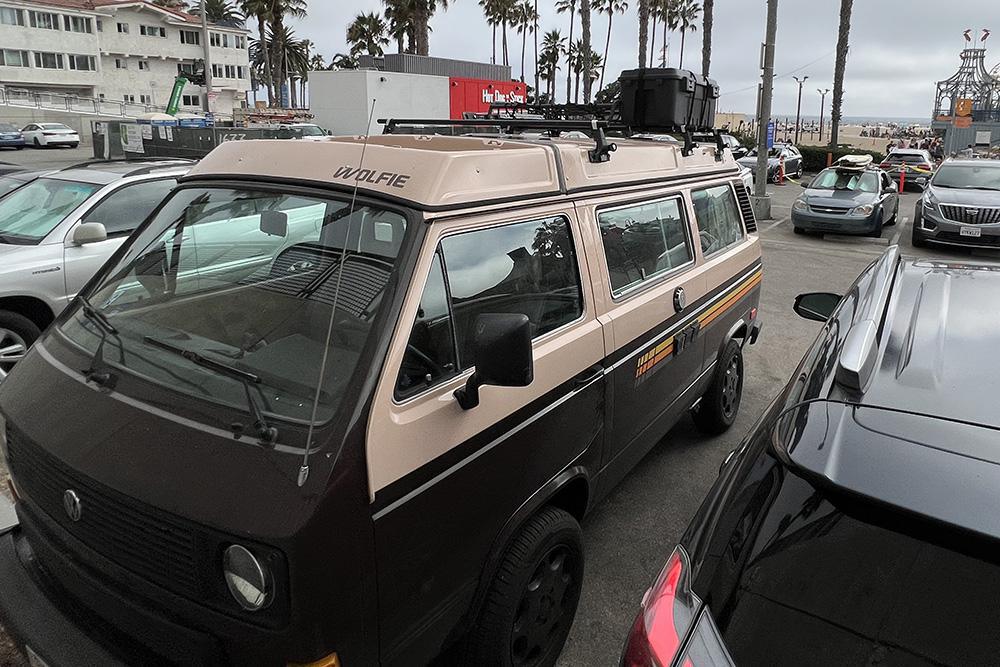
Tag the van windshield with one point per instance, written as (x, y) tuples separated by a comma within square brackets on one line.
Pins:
[(30, 213), (227, 296)]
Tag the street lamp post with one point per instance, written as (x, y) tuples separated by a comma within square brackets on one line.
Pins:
[(822, 108), (798, 110)]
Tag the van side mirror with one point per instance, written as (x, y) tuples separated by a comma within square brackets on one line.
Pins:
[(274, 223), (89, 232), (502, 354), (816, 306)]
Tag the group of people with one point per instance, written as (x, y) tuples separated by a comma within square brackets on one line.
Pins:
[(933, 145)]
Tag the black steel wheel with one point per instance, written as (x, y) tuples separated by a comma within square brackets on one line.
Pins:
[(531, 602), (721, 403)]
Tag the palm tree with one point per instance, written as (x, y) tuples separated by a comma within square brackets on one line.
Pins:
[(643, 30), (843, 35), (367, 33), (219, 11), (575, 62), (588, 83), (279, 10), (492, 20), (399, 14), (343, 61), (525, 20), (424, 10), (563, 6), (261, 10), (609, 7), (179, 5), (535, 30), (553, 47), (670, 18), (708, 8), (686, 17)]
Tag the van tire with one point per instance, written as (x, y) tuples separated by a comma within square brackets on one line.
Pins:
[(20, 326), (721, 403), (549, 540)]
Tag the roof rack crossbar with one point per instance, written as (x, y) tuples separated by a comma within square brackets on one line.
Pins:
[(860, 351)]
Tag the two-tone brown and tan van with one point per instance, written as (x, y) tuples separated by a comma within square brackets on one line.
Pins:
[(346, 402)]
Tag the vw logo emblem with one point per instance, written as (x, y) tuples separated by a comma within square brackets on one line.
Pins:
[(72, 505)]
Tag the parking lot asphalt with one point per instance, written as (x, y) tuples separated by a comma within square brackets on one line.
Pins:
[(53, 157), (629, 536)]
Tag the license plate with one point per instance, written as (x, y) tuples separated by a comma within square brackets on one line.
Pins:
[(974, 232), (34, 659)]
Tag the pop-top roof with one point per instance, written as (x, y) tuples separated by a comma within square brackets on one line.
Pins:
[(440, 172)]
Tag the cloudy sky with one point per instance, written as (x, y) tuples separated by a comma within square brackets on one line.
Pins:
[(898, 49)]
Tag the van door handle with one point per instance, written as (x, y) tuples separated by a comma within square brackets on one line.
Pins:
[(589, 375)]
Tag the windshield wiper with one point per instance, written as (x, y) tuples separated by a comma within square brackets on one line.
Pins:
[(98, 372), (266, 434)]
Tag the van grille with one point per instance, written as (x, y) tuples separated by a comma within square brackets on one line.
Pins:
[(743, 196), (971, 215), (139, 538)]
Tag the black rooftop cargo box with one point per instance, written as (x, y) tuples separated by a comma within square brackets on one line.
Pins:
[(667, 98)]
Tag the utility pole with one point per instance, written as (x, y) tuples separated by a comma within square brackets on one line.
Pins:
[(207, 57), (798, 109), (822, 108), (762, 204)]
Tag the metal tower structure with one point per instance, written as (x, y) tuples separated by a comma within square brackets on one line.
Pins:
[(971, 82)]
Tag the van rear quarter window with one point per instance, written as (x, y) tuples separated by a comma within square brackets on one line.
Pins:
[(718, 218)]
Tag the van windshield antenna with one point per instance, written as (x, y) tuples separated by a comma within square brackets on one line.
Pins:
[(304, 469)]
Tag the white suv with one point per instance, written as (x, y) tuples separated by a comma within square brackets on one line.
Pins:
[(56, 231)]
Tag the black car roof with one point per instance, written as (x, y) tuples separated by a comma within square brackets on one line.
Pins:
[(897, 401)]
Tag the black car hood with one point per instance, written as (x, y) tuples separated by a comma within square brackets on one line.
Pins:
[(839, 198), (963, 196)]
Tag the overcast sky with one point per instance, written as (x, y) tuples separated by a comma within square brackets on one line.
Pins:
[(898, 49)]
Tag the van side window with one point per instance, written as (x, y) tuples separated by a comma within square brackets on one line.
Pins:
[(718, 218), (528, 267), (430, 351), (643, 241)]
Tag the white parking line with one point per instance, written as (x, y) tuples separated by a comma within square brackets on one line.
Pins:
[(774, 224), (899, 230)]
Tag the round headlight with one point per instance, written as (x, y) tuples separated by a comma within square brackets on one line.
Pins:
[(800, 205), (248, 581)]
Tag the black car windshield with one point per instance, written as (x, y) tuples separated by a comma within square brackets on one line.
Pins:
[(246, 279), (831, 179), (29, 214), (985, 176)]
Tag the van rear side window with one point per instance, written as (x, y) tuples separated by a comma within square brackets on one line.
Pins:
[(528, 267), (718, 217), (643, 241)]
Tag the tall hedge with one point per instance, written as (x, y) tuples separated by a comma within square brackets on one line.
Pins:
[(814, 157)]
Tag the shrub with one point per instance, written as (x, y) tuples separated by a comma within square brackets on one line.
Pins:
[(814, 157)]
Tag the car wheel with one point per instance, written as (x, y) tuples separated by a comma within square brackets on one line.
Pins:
[(798, 230), (18, 148), (17, 333), (721, 403), (532, 599), (73, 145)]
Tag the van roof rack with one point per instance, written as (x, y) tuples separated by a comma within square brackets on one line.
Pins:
[(593, 127)]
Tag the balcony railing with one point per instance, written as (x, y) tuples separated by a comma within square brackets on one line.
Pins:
[(18, 97)]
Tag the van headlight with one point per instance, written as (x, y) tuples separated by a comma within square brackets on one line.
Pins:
[(249, 582), (866, 209), (800, 205)]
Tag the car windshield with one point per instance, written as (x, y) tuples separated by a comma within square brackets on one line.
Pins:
[(310, 131), (831, 179), (986, 177), (29, 214), (906, 158), (267, 284)]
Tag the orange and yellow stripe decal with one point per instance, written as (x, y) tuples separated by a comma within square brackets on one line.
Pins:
[(663, 350)]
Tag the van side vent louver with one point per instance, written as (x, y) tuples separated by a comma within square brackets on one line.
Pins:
[(744, 198)]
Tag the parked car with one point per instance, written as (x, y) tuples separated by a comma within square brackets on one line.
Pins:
[(10, 168), (961, 205), (919, 166), (846, 201), (369, 427), (11, 137), (42, 135), (307, 131), (58, 229), (791, 155), (856, 523), (732, 143)]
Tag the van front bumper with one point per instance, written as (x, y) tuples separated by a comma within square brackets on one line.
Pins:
[(36, 621)]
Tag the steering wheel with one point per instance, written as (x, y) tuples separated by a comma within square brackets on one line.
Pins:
[(432, 365), (712, 240)]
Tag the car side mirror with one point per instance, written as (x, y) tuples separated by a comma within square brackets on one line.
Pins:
[(816, 306), (89, 232), (502, 354), (274, 223)]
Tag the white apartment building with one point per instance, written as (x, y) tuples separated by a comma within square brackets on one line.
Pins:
[(130, 50)]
